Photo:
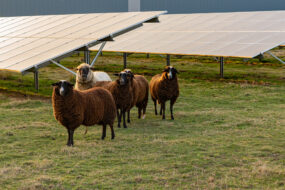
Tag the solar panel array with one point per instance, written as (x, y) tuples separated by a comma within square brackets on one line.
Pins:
[(237, 34), (29, 41)]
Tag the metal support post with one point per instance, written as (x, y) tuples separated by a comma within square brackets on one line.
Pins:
[(280, 60), (260, 57), (87, 56), (125, 60), (147, 55), (98, 53), (36, 79), (222, 67), (63, 67), (168, 60)]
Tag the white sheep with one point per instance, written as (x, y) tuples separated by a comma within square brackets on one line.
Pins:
[(86, 78)]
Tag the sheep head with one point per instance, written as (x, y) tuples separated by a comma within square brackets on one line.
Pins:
[(124, 78), (170, 72), (84, 73), (63, 87), (129, 71)]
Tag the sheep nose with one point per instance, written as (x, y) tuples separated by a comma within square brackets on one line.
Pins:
[(122, 82), (61, 91)]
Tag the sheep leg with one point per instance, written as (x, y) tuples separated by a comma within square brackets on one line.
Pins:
[(124, 118), (155, 110), (172, 101), (139, 112), (144, 109), (119, 115), (129, 116), (103, 131), (160, 113), (112, 131), (163, 109), (68, 140), (71, 136)]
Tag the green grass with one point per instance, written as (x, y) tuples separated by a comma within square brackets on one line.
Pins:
[(227, 133), (192, 68)]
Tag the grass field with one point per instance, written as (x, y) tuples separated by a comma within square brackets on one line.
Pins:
[(227, 133)]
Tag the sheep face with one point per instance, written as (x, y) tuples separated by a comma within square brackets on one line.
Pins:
[(63, 87), (124, 78), (84, 72), (128, 71), (170, 72)]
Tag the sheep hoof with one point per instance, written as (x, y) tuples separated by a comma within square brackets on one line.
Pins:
[(172, 118), (113, 137), (129, 121), (102, 138), (125, 126)]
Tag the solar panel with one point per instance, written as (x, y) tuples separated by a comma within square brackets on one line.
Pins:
[(32, 41), (237, 34)]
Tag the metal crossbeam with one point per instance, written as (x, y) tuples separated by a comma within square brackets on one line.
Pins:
[(280, 60), (63, 67), (98, 53)]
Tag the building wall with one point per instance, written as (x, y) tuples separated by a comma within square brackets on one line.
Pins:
[(44, 7), (204, 6)]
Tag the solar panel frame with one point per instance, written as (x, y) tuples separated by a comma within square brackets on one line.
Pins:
[(236, 34), (32, 42)]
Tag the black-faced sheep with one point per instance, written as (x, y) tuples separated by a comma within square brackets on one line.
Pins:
[(121, 90), (140, 93), (73, 108), (86, 78), (165, 87)]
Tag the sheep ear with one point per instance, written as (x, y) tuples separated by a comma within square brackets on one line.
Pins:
[(71, 85), (92, 68), (55, 84), (176, 71), (166, 69), (131, 75)]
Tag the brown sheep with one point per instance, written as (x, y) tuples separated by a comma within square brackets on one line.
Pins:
[(73, 108), (140, 93), (165, 87), (121, 90)]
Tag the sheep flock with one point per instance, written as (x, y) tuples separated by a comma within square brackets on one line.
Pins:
[(96, 99)]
